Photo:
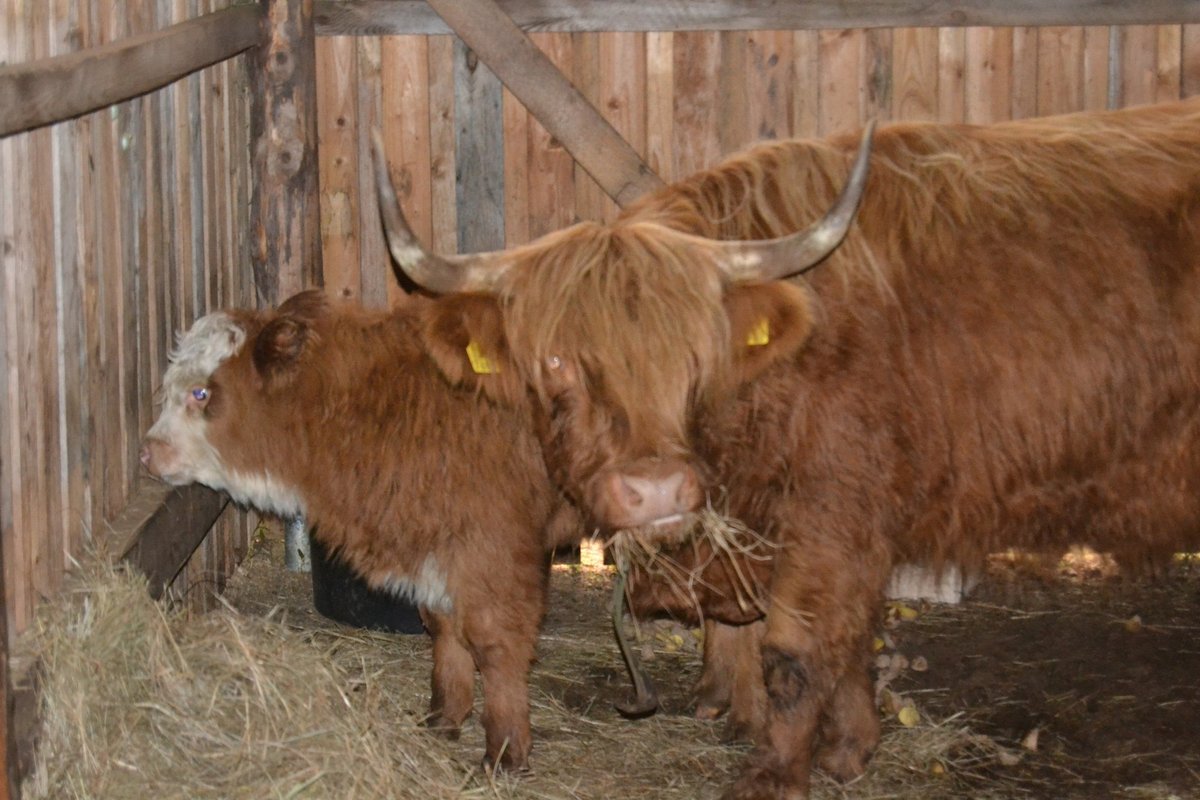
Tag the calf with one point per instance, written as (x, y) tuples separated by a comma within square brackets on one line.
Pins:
[(437, 495)]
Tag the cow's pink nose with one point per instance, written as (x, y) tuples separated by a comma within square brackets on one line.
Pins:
[(654, 493), (144, 455)]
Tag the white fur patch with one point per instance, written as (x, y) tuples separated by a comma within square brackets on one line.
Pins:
[(265, 493), (918, 582), (428, 589), (199, 351)]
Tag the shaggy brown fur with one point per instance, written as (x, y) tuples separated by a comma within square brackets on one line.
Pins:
[(432, 493), (1003, 353)]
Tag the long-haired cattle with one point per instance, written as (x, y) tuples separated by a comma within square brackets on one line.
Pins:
[(431, 493), (1003, 352)]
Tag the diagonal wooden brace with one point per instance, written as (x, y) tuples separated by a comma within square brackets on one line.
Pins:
[(550, 97)]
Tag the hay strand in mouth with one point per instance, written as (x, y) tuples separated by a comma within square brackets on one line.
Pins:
[(679, 556)]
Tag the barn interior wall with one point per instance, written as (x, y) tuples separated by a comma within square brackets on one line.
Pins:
[(121, 227), (117, 229), (684, 100)]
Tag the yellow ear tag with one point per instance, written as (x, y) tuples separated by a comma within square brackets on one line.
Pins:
[(481, 364), (760, 334)]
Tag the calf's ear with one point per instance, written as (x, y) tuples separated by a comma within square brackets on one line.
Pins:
[(464, 335), (769, 323), (278, 349)]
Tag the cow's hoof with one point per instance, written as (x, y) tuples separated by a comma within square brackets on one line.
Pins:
[(845, 762), (738, 730), (709, 711), (506, 764), (440, 726), (758, 782)]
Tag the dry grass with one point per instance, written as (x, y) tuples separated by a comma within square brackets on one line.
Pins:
[(140, 702)]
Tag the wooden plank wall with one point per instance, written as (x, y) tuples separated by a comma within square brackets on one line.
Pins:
[(116, 230), (685, 99)]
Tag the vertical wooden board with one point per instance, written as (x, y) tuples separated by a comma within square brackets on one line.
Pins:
[(68, 191), (768, 83), (1190, 67), (42, 206), (1025, 73), (516, 174), (375, 278), (623, 92), (337, 137), (13, 511), (1095, 67), (952, 97), (878, 66), (404, 76), (479, 144), (731, 105), (1060, 70), (988, 74), (1139, 64), (443, 183), (842, 54), (551, 170), (585, 74), (697, 58), (806, 93), (660, 104), (1168, 80), (915, 73)]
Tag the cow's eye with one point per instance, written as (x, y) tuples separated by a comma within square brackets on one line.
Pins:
[(200, 394), (554, 363)]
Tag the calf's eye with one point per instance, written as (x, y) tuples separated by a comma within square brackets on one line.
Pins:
[(200, 394), (554, 362)]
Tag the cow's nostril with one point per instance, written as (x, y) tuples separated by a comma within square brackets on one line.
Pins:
[(144, 455), (629, 493)]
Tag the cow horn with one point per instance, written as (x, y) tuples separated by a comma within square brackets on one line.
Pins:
[(475, 272), (776, 259)]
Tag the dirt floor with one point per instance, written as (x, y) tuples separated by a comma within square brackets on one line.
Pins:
[(1059, 681)]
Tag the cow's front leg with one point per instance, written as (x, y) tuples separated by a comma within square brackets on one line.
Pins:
[(823, 598), (504, 665), (732, 678), (850, 724), (453, 689)]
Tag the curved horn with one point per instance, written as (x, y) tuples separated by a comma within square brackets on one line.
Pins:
[(776, 259), (475, 272)]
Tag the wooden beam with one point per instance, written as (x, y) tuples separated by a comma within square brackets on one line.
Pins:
[(285, 204), (550, 97), (54, 89), (161, 526), (380, 17)]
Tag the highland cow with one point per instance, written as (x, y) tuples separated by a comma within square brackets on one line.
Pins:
[(1003, 352)]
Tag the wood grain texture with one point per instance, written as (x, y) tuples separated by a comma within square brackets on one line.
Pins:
[(359, 17)]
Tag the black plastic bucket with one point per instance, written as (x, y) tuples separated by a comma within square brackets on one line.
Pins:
[(341, 595)]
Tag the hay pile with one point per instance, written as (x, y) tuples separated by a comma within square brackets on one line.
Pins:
[(140, 703)]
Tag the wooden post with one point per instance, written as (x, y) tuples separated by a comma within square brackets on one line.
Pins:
[(284, 203)]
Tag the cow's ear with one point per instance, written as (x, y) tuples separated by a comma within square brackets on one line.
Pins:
[(464, 334), (769, 322), (279, 347)]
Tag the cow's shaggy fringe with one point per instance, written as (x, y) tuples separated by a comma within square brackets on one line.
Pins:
[(729, 541)]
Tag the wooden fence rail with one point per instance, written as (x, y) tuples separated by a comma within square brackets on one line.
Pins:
[(390, 17), (63, 87)]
